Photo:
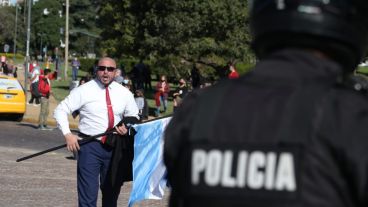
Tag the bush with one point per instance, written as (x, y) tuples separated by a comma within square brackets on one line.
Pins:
[(243, 68), (127, 63), (87, 64), (10, 56)]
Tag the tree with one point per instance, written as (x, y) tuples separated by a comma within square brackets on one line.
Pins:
[(47, 21), (7, 27), (183, 32), (83, 28)]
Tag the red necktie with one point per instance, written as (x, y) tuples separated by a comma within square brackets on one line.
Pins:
[(110, 113)]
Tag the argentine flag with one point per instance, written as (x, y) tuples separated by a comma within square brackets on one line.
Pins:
[(149, 171)]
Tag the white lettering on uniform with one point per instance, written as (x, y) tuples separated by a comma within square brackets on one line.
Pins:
[(227, 180), (199, 164), (257, 160), (270, 170), (285, 175), (254, 170), (213, 170), (241, 171)]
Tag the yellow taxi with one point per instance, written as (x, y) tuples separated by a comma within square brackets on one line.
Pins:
[(12, 98)]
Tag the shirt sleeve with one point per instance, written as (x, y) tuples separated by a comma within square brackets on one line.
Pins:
[(67, 106), (131, 108)]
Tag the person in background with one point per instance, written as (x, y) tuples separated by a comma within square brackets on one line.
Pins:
[(139, 72), (2, 63), (147, 78), (127, 83), (44, 90), (195, 77), (118, 76), (33, 65), (57, 64), (233, 73), (75, 67), (15, 71), (180, 93), (161, 95), (141, 103), (103, 104), (11, 67), (288, 133), (35, 95)]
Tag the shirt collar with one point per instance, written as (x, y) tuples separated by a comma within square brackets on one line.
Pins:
[(101, 85)]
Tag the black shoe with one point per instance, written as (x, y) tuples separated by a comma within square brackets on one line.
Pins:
[(47, 128), (44, 128)]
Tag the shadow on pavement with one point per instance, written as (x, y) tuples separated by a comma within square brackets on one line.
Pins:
[(28, 125)]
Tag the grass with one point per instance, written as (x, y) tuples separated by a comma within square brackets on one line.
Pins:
[(363, 69), (60, 89)]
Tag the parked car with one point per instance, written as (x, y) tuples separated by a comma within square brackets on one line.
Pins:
[(12, 98)]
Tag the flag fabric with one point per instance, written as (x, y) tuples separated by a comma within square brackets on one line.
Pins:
[(149, 171)]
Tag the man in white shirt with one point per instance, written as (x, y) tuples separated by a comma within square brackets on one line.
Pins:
[(95, 100)]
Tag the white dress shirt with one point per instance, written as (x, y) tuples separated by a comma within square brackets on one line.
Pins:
[(90, 100)]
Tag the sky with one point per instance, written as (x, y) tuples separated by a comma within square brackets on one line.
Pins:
[(14, 1)]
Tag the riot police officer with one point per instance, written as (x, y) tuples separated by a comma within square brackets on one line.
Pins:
[(289, 133)]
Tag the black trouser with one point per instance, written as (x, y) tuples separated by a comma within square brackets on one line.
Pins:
[(34, 93), (33, 97)]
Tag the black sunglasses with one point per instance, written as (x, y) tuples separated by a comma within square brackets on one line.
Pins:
[(103, 68)]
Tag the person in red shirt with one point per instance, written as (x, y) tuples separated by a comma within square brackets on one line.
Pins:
[(162, 92), (233, 73)]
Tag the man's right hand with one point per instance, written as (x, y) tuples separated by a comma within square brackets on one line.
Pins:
[(72, 142)]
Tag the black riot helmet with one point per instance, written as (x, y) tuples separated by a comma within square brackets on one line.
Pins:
[(338, 28)]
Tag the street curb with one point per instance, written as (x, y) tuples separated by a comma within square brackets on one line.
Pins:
[(49, 122)]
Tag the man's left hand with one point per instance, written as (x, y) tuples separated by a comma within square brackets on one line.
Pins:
[(122, 130)]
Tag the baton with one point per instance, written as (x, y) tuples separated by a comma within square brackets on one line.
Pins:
[(83, 141)]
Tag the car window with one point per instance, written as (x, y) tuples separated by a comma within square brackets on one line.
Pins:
[(6, 84)]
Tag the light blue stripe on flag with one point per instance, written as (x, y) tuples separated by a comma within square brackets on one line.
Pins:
[(149, 170)]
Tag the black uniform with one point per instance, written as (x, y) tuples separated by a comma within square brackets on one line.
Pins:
[(286, 134)]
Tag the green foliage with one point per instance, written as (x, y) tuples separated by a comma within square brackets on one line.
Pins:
[(87, 64), (243, 68), (11, 55), (7, 16), (7, 28), (84, 33), (126, 63), (174, 34), (45, 27)]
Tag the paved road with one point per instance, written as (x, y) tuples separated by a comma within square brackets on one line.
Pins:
[(45, 181)]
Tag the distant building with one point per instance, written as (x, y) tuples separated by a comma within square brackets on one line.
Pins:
[(4, 2)]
